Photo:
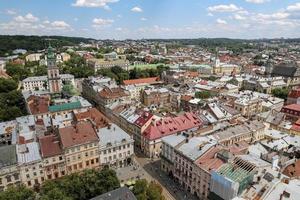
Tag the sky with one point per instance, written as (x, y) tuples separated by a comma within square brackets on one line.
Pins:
[(138, 19)]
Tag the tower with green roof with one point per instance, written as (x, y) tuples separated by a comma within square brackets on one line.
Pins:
[(54, 80)]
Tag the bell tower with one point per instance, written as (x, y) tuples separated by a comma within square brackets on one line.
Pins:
[(54, 80)]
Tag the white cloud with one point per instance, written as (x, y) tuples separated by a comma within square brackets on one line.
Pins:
[(29, 18), (221, 21), (210, 15), (99, 22), (294, 7), (274, 16), (94, 3), (238, 17), (119, 29), (11, 12), (60, 25), (136, 9), (143, 19), (258, 1), (224, 8), (75, 19)]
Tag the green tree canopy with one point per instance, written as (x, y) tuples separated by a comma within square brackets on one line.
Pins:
[(7, 85), (203, 95), (18, 193)]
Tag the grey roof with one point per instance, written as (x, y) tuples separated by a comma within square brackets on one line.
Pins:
[(113, 135), (173, 140), (122, 193), (8, 155), (28, 153), (196, 146), (286, 70)]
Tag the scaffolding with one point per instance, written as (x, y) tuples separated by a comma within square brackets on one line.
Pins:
[(237, 174)]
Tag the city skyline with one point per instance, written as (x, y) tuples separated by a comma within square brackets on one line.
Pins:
[(137, 19)]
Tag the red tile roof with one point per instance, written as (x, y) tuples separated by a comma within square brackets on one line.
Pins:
[(292, 170), (209, 161), (294, 107), (38, 104), (151, 80), (112, 93), (93, 115), (170, 125), (186, 97), (296, 125), (50, 146), (145, 116), (295, 93), (81, 133)]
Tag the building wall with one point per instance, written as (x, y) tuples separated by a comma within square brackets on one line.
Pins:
[(32, 174), (9, 175), (80, 157), (116, 155), (55, 167)]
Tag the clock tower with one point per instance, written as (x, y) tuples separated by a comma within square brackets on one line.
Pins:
[(54, 80)]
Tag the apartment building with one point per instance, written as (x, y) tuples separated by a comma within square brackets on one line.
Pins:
[(31, 165), (9, 171), (115, 147), (157, 97), (109, 95), (80, 147), (136, 86), (250, 132), (185, 156), (151, 137), (97, 64), (53, 158)]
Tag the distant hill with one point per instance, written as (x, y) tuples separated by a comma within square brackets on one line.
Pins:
[(33, 43)]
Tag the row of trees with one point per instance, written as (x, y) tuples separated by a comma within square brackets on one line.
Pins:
[(83, 186), (33, 43), (19, 72), (119, 74)]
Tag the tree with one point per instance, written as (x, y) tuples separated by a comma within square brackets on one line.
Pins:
[(233, 81), (7, 85), (83, 186), (147, 191), (69, 89), (281, 92), (203, 95), (154, 192), (17, 193), (12, 105)]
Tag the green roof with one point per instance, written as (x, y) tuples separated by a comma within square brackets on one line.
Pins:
[(65, 106)]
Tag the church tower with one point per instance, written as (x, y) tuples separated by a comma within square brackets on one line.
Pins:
[(269, 67), (54, 80), (217, 62)]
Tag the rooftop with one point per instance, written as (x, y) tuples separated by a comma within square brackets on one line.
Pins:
[(50, 146), (81, 133), (113, 135), (8, 155), (93, 115), (150, 80), (170, 125)]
